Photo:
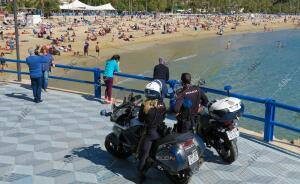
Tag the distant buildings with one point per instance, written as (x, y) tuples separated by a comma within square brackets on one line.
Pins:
[(2, 2), (66, 1)]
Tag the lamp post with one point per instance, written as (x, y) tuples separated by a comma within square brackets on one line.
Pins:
[(172, 6), (43, 6), (130, 7), (298, 6), (17, 40)]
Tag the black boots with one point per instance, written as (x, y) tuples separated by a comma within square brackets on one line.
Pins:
[(141, 178)]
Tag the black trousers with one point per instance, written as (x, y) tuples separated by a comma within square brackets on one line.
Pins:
[(36, 85), (145, 148), (185, 125)]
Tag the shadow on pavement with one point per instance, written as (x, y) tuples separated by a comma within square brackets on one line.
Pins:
[(92, 98), (20, 96), (209, 156), (119, 168), (26, 86)]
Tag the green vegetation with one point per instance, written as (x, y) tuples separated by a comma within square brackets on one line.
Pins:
[(224, 6), (211, 6), (47, 6)]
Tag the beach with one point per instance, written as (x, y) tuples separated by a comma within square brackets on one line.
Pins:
[(110, 44), (119, 46)]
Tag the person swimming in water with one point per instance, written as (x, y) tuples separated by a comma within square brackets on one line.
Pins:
[(279, 44), (228, 45)]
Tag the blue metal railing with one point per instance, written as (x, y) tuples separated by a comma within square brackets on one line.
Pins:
[(270, 104)]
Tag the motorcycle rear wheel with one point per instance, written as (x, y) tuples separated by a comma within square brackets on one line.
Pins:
[(181, 178), (229, 153), (112, 146)]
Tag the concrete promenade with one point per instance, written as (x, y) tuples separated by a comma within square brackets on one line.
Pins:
[(61, 140)]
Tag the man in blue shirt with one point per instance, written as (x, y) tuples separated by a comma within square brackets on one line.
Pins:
[(35, 69), (111, 66)]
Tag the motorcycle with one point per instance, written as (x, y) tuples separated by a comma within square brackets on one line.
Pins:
[(219, 127), (218, 124), (179, 156)]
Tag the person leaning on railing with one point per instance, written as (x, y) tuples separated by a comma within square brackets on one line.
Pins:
[(35, 69), (111, 66), (46, 68), (161, 73), (2, 63)]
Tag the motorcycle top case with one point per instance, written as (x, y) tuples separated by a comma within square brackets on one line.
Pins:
[(226, 109)]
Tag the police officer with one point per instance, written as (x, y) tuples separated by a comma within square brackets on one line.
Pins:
[(152, 113), (189, 101)]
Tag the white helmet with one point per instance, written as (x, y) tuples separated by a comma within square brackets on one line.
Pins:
[(153, 90)]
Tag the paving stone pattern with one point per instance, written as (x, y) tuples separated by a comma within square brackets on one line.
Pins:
[(61, 140)]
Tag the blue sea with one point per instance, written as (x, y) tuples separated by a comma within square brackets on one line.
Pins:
[(254, 65)]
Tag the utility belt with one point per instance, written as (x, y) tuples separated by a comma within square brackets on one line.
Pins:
[(161, 129), (186, 123)]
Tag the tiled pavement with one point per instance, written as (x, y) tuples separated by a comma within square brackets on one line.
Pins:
[(61, 141)]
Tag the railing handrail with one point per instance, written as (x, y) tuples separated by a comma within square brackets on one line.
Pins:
[(252, 99), (131, 76), (270, 104)]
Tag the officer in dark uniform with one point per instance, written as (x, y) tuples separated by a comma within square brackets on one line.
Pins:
[(189, 101), (152, 113)]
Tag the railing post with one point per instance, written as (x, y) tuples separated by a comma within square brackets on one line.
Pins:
[(227, 89), (172, 84), (269, 119), (97, 82)]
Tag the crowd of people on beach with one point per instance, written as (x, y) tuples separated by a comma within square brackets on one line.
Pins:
[(64, 32)]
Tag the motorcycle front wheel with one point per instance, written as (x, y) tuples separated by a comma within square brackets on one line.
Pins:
[(183, 177), (115, 148), (229, 151)]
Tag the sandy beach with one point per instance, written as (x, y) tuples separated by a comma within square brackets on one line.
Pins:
[(119, 46)]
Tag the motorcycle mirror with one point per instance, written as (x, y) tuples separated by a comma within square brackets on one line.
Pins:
[(103, 112), (138, 97)]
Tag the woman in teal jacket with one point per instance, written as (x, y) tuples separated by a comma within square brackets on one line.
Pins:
[(111, 67)]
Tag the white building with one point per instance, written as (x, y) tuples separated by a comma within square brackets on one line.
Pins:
[(4, 1)]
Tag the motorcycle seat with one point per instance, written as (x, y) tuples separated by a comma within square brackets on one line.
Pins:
[(172, 138)]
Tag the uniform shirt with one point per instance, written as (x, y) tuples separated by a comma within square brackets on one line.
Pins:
[(111, 66), (193, 93), (35, 65), (154, 117)]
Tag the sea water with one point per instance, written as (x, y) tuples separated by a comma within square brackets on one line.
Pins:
[(263, 65), (254, 65)]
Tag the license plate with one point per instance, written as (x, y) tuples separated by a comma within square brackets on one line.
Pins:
[(233, 134), (193, 158)]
